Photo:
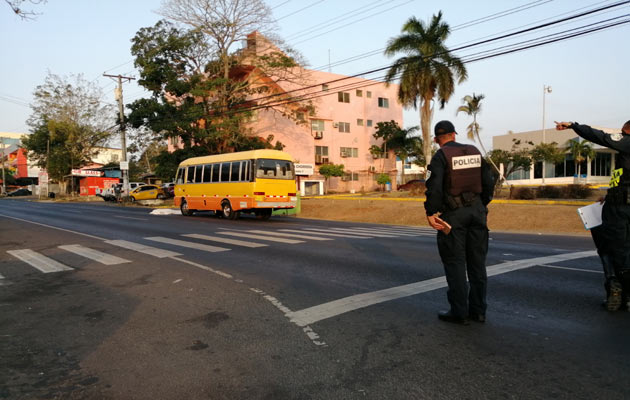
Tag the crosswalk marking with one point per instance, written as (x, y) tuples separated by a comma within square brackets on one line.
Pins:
[(225, 240), (39, 261), (328, 234), (141, 248), (190, 245), (260, 237), (291, 235), (352, 232), (419, 232), (100, 257)]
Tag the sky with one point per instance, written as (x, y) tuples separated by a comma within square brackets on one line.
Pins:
[(589, 75)]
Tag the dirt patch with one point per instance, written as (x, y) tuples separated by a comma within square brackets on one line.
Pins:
[(561, 219)]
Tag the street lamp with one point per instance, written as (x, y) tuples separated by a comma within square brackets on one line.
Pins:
[(546, 89)]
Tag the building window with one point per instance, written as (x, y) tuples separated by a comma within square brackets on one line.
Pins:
[(349, 152), (359, 122), (351, 176), (369, 122), (321, 151), (383, 102), (600, 165), (368, 94), (343, 97), (324, 88), (317, 125), (344, 126), (359, 93)]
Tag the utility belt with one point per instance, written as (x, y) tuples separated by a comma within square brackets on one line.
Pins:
[(619, 195), (462, 200)]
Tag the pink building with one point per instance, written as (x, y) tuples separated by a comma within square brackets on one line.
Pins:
[(339, 131)]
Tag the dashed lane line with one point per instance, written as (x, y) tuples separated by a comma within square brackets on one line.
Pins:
[(317, 313), (98, 256), (39, 261)]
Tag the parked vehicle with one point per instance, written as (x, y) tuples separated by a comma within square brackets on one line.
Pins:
[(113, 192), (256, 181), (147, 192), (19, 192), (169, 189), (414, 184)]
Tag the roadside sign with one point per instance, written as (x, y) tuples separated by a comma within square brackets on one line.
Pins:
[(124, 165), (304, 169)]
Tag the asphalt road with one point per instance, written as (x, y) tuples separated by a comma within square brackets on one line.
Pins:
[(99, 301)]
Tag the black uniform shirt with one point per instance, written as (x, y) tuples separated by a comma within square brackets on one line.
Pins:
[(615, 141), (435, 184)]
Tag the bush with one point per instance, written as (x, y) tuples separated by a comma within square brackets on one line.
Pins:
[(522, 193), (550, 192), (577, 192)]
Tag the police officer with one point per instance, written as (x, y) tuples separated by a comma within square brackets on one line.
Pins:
[(613, 239), (459, 187)]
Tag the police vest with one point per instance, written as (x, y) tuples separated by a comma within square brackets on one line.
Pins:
[(463, 172), (621, 176)]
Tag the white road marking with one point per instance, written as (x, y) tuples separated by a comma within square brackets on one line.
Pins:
[(407, 232), (353, 232), (260, 237), (53, 227), (39, 261), (291, 235), (572, 269), (225, 240), (98, 256), (141, 248), (138, 219), (327, 310), (190, 245), (328, 234), (220, 273)]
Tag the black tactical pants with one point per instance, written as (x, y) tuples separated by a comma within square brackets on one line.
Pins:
[(463, 252), (599, 239), (616, 240)]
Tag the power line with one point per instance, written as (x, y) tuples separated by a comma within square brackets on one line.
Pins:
[(300, 10)]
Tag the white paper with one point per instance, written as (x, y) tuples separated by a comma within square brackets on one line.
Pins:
[(591, 215)]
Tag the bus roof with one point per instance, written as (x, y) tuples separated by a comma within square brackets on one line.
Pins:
[(241, 155)]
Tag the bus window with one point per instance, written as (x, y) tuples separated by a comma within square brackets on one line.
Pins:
[(274, 169), (225, 172), (180, 176), (215, 172), (207, 172), (198, 172), (236, 171), (190, 176), (244, 171)]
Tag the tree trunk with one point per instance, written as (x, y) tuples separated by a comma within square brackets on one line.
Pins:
[(425, 123)]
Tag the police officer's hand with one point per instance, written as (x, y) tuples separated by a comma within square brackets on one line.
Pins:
[(436, 222), (560, 126)]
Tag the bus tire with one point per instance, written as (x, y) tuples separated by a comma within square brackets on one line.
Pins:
[(184, 209), (226, 210), (264, 214)]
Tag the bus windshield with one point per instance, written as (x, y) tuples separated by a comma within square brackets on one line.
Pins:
[(274, 169)]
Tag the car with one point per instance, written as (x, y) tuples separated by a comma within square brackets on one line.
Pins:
[(414, 184), (169, 189), (20, 192), (147, 192)]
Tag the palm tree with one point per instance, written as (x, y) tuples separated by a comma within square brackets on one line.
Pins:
[(581, 150), (426, 70)]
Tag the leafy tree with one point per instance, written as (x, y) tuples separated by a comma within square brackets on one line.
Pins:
[(428, 69), (547, 152), (581, 151), (516, 159), (8, 175), (400, 141), (330, 170), (383, 179), (68, 123)]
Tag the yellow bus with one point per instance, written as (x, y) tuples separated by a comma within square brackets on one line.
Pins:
[(256, 181)]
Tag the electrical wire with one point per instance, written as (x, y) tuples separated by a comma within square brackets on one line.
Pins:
[(300, 10)]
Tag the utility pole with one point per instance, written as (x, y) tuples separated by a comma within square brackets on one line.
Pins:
[(4, 181), (124, 168)]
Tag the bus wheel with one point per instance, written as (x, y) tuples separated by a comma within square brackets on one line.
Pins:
[(185, 210), (227, 211), (264, 214)]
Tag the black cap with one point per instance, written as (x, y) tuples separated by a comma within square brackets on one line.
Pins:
[(443, 127)]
